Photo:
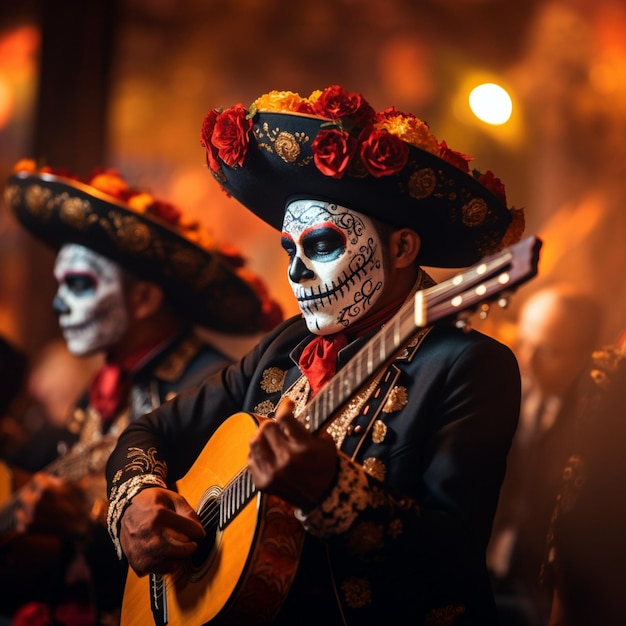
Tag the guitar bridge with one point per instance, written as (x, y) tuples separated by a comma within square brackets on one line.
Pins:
[(158, 600)]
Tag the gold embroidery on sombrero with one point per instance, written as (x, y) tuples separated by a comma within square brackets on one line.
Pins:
[(75, 211), (37, 199), (282, 143), (422, 183), (474, 212)]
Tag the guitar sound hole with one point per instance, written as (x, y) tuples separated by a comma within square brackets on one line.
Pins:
[(208, 512)]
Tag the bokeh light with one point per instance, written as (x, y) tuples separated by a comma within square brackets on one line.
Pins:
[(491, 103)]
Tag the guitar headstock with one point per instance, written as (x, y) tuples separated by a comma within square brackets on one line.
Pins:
[(494, 278)]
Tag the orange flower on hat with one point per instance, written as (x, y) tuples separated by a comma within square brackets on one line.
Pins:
[(407, 127), (283, 101), (111, 182)]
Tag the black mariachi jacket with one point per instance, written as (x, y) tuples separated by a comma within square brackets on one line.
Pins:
[(429, 449)]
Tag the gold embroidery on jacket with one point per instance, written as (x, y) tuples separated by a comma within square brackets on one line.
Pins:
[(444, 616), (273, 379), (375, 467), (379, 431), (264, 408), (357, 592), (144, 461), (338, 428), (365, 537), (397, 399), (396, 528), (173, 367), (299, 393)]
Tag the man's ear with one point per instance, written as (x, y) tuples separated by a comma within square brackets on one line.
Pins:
[(145, 298), (404, 245)]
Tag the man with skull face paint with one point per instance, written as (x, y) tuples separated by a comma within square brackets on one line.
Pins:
[(397, 493), (336, 263), (138, 302), (90, 300)]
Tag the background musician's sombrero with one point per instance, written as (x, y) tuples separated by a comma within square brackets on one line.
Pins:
[(148, 237)]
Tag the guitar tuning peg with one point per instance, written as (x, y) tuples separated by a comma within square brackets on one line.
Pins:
[(504, 300), (484, 311)]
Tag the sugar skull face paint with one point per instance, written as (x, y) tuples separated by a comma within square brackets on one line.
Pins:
[(335, 263), (89, 300)]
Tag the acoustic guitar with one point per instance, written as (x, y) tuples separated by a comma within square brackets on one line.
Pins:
[(243, 569)]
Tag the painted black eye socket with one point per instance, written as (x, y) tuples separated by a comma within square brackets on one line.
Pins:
[(288, 246), (324, 244), (80, 284)]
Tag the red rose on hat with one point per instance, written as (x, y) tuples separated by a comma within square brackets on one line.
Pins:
[(206, 136), (335, 103), (231, 135), (454, 158), (494, 184), (382, 153), (332, 151)]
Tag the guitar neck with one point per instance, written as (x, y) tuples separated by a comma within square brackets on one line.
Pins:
[(72, 466)]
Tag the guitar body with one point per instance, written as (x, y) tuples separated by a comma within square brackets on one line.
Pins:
[(243, 572)]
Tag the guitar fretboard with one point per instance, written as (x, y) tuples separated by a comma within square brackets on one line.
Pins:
[(72, 466)]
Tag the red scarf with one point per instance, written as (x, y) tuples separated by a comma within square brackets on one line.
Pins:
[(318, 361), (109, 391)]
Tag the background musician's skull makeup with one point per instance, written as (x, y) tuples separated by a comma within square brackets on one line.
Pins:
[(335, 263), (89, 300)]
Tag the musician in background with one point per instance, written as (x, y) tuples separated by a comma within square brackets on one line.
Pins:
[(558, 327), (586, 556), (398, 490), (136, 281)]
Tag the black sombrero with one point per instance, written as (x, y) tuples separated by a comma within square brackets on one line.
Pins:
[(334, 147), (197, 281)]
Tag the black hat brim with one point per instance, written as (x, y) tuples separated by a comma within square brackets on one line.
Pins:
[(197, 283), (459, 219)]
